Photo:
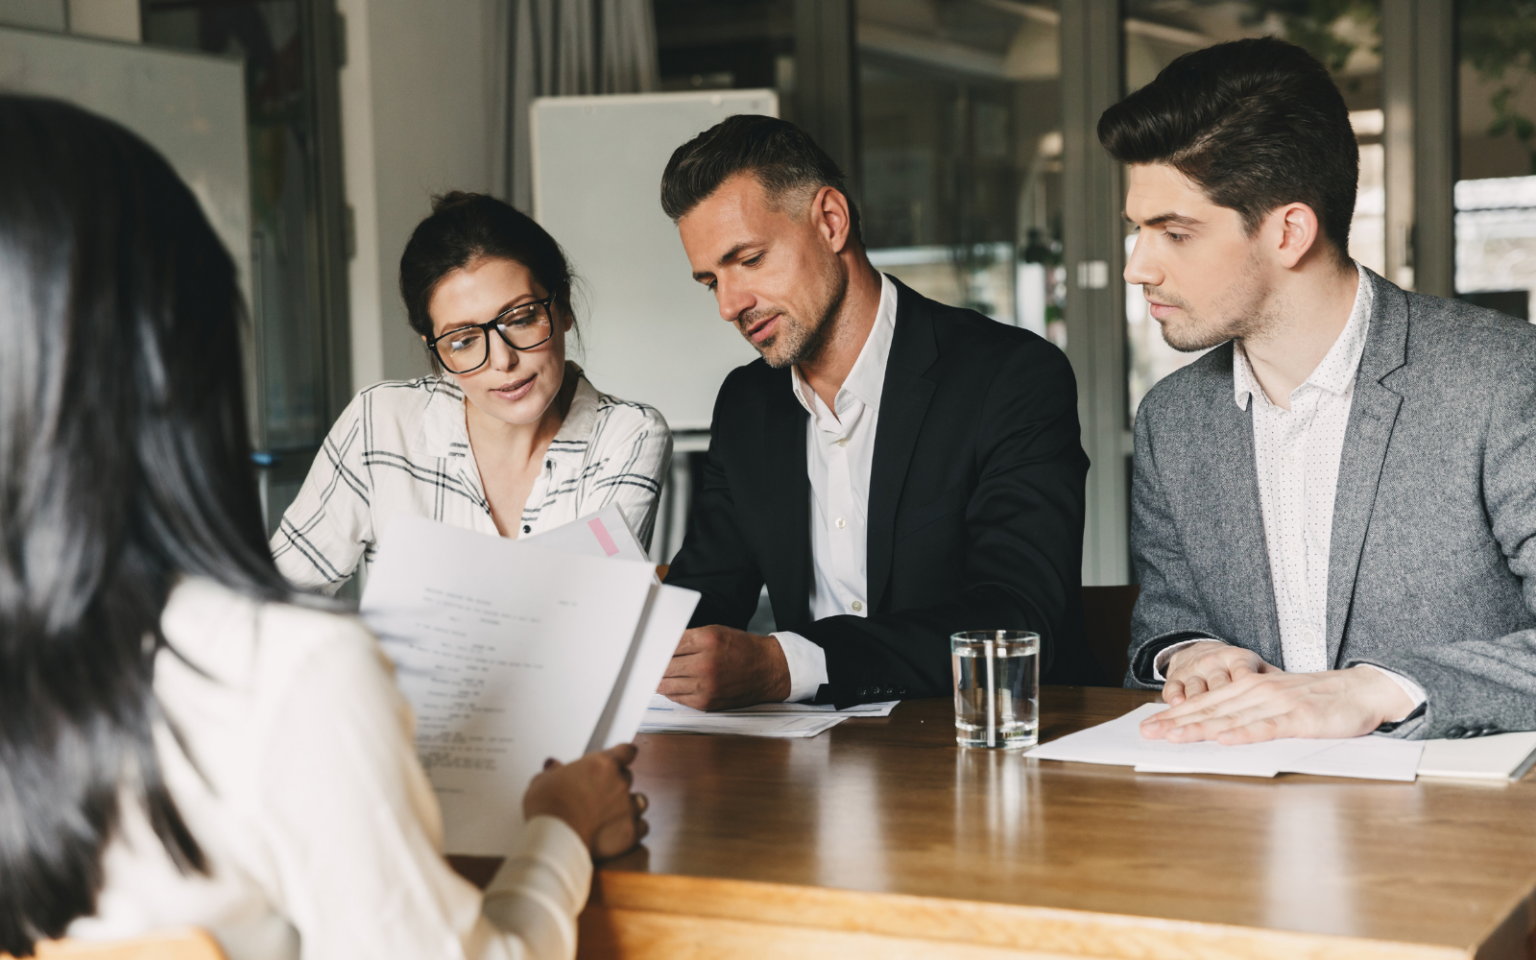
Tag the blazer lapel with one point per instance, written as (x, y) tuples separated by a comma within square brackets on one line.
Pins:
[(904, 401), (1372, 415), (787, 485), (1237, 513)]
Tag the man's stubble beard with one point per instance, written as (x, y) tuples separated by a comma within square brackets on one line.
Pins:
[(1242, 314), (796, 342)]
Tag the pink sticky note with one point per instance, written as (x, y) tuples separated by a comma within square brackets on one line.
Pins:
[(603, 539)]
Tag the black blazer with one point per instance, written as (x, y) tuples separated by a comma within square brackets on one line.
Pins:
[(975, 508)]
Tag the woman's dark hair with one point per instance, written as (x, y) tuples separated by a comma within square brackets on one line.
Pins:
[(783, 158), (124, 464), (1256, 123), (465, 227)]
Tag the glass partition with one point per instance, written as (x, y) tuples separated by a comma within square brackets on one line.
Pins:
[(961, 139), (298, 268), (1496, 156)]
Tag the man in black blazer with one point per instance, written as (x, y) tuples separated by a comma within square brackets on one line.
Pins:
[(893, 469)]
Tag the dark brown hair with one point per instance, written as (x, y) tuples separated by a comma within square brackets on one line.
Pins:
[(1256, 123), (465, 227), (779, 154)]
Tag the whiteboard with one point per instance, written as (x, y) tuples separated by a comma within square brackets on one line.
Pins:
[(189, 106), (651, 333)]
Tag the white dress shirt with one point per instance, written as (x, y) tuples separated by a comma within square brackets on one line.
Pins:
[(839, 452), (1296, 454), (301, 785)]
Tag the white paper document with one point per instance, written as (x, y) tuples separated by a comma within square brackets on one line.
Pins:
[(882, 709), (603, 534), (762, 720), (662, 627), (1119, 742), (1501, 757), (509, 655)]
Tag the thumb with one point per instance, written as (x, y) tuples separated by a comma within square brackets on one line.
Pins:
[(623, 754)]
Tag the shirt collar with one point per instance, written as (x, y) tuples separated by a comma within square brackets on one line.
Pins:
[(1336, 373), (866, 381), (570, 443), (444, 434)]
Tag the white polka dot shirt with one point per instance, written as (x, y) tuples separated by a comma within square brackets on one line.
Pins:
[(1296, 453)]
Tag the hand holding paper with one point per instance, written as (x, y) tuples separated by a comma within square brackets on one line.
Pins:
[(511, 652), (592, 796)]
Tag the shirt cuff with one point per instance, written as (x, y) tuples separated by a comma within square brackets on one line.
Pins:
[(541, 887), (1415, 692), (807, 665), (1166, 654)]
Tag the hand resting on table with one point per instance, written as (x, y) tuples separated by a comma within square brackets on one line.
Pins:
[(1230, 695)]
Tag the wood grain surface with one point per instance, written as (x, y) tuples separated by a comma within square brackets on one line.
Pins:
[(882, 838)]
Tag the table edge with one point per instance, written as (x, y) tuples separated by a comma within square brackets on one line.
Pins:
[(981, 923)]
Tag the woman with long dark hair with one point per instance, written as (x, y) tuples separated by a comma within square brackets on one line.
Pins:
[(183, 740), (506, 437)]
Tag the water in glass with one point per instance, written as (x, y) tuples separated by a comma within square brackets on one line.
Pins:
[(997, 688)]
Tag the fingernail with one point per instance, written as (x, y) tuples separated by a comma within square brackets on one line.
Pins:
[(549, 763)]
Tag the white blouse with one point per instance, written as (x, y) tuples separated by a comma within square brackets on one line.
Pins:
[(300, 783), (403, 447)]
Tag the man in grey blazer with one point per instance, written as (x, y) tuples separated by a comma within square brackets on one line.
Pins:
[(1334, 510)]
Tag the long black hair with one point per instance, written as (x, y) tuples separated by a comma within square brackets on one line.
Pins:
[(124, 464)]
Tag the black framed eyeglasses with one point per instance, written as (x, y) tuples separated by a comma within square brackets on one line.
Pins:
[(523, 327)]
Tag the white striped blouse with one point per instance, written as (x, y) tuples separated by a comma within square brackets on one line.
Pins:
[(402, 447)]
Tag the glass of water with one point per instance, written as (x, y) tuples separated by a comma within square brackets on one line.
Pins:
[(997, 688)]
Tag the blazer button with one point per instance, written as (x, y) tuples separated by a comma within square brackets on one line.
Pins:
[(901, 691), (1456, 733)]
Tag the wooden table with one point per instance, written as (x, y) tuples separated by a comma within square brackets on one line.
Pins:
[(882, 839)]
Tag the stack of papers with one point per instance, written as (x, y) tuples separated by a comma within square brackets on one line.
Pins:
[(511, 652), (1120, 742), (763, 720), (1501, 757)]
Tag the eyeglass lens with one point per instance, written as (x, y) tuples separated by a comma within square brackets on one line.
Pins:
[(463, 350)]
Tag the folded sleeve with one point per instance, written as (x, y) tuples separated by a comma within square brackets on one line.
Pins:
[(807, 665), (633, 452), (354, 833)]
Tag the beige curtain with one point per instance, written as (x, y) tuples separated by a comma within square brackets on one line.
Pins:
[(567, 48)]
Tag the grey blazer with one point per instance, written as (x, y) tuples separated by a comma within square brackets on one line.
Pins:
[(1433, 549)]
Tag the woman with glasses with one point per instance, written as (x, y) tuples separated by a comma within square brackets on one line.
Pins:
[(507, 437), (187, 739)]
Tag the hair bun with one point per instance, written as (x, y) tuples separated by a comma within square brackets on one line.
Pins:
[(452, 198)]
